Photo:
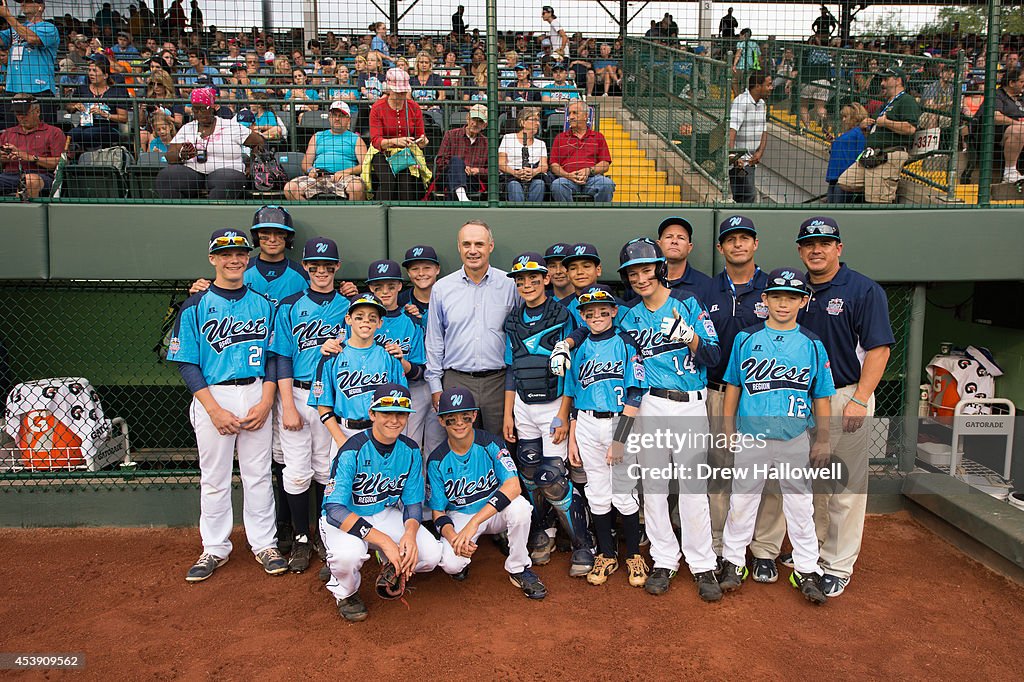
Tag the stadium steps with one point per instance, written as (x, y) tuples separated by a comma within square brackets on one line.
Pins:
[(636, 176)]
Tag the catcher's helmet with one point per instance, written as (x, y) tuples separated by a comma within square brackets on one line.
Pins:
[(640, 251), (272, 217)]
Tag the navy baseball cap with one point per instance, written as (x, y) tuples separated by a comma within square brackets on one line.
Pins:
[(528, 261), (556, 252), (370, 300), (558, 66), (321, 248), (787, 279), (457, 399), (736, 223), (229, 238), (521, 67), (420, 252), (675, 220), (391, 398), (599, 293), (580, 251), (245, 116), (819, 226), (381, 270)]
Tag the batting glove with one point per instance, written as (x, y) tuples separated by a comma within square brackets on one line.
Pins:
[(676, 329), (560, 362)]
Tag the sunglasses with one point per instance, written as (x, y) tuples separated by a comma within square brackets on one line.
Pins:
[(527, 265), (782, 281), (821, 229), (459, 418), (598, 296), (230, 241), (392, 401)]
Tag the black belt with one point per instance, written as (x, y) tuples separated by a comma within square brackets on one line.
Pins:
[(838, 388), (237, 382), (678, 396), (602, 415), (478, 375), (716, 386), (357, 424), (306, 385)]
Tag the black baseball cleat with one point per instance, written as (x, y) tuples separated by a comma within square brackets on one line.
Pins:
[(732, 576), (540, 546), (582, 563), (302, 553), (461, 575), (325, 573), (765, 571), (719, 565), (318, 545), (529, 583), (707, 586), (809, 586), (352, 609), (659, 580)]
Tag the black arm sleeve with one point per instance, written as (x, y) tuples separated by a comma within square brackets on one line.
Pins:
[(708, 353), (193, 376), (284, 367)]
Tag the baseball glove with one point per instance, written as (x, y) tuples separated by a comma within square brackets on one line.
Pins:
[(390, 584)]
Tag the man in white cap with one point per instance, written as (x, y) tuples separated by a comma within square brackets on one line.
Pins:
[(463, 155), (333, 161)]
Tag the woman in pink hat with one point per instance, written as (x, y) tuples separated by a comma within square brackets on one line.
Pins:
[(396, 124)]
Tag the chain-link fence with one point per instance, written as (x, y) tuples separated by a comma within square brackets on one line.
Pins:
[(889, 440)]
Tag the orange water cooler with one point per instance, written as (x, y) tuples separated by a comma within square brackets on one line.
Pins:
[(46, 443)]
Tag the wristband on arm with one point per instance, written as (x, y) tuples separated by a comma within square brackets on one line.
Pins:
[(622, 429), (360, 528), (499, 501), (443, 521)]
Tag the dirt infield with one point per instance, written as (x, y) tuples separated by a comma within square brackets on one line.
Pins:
[(916, 608)]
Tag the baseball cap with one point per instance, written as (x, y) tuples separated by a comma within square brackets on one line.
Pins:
[(675, 220), (245, 116), (528, 261), (599, 293), (546, 42), (339, 105), (580, 251), (819, 226), (397, 81), (893, 71), (521, 67), (368, 299), (228, 238), (556, 251), (22, 102), (391, 398), (420, 252), (237, 66), (736, 223), (381, 270), (124, 34), (456, 399), (547, 8), (787, 279), (478, 111), (321, 248), (558, 66)]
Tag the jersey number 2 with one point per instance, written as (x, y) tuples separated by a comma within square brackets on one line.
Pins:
[(255, 353), (797, 407), (619, 391)]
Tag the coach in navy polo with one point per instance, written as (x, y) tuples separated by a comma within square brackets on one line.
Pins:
[(465, 327), (850, 313)]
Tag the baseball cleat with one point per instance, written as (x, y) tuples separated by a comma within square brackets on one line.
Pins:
[(582, 563), (302, 553), (719, 565), (644, 540), (786, 559), (732, 576), (318, 545), (638, 570), (461, 575), (272, 561), (540, 545), (204, 567), (833, 585), (809, 585), (325, 573), (765, 571), (658, 581), (603, 568), (707, 586), (352, 609), (529, 583)]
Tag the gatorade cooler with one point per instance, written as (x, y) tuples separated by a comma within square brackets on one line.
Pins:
[(943, 395), (47, 443)]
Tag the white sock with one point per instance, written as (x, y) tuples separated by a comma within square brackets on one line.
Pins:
[(461, 194)]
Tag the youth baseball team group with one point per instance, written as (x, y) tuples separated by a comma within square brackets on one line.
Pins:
[(489, 402)]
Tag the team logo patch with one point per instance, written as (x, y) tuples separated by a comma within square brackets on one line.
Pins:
[(329, 488), (638, 369), (761, 310), (318, 391), (709, 328), (835, 306), (175, 345), (506, 460)]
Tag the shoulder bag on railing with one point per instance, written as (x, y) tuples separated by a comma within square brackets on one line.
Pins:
[(265, 171)]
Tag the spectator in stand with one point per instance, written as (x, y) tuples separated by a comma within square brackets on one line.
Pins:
[(299, 61), (196, 18), (815, 74), (477, 59), (31, 55), (939, 96), (333, 161), (507, 71), (477, 93), (123, 48), (164, 131), (746, 58), (867, 88), (824, 25), (239, 85), (30, 150), (427, 86), (280, 78), (727, 25), (100, 116), (265, 121), (302, 92), (459, 27), (371, 83), (556, 34), (583, 70), (606, 69), (396, 124), (463, 155), (579, 160), (561, 90), (747, 131), (523, 90), (206, 154), (524, 159), (344, 89), (1009, 121), (845, 150), (403, 64), (379, 43), (785, 73), (160, 96), (199, 65), (105, 18), (453, 73)]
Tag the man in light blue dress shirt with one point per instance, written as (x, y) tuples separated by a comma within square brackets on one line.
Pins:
[(465, 336)]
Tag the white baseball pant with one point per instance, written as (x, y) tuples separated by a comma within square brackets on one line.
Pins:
[(307, 453), (275, 421), (533, 421), (694, 515), (423, 426), (797, 502), (216, 456), (346, 553), (607, 486), (515, 518)]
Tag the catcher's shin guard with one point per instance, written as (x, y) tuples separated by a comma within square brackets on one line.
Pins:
[(529, 458), (553, 480)]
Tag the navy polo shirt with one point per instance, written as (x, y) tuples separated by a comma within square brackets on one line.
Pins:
[(693, 280), (851, 316), (733, 310)]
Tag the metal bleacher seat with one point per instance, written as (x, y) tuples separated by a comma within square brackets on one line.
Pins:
[(142, 175), (89, 179)]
